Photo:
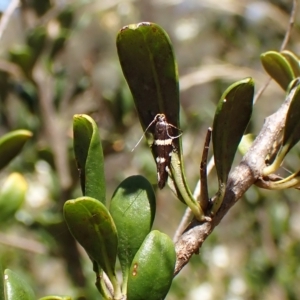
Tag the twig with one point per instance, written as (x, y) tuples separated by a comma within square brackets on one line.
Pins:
[(188, 213), (7, 15), (11, 68), (261, 90), (290, 26), (239, 181), (53, 129), (243, 176), (204, 198), (22, 243), (183, 224)]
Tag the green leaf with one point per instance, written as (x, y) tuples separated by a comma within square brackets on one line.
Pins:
[(89, 157), (291, 134), (22, 55), (16, 288), (12, 196), (36, 40), (147, 60), (133, 210), (93, 227), (293, 61), (151, 272), (66, 17), (59, 43), (101, 283), (278, 67), (41, 7), (11, 145), (232, 116), (179, 186), (148, 63)]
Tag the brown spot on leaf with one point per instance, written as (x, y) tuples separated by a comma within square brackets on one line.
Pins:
[(134, 272)]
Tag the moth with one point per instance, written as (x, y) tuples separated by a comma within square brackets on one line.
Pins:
[(162, 146)]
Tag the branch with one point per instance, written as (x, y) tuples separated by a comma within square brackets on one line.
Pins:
[(290, 26), (240, 180), (188, 213), (23, 243), (55, 132), (242, 177)]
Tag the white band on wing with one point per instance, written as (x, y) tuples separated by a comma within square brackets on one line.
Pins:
[(163, 142)]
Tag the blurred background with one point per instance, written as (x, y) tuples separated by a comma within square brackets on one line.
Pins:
[(58, 58)]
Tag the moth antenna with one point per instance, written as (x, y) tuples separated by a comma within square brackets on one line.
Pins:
[(174, 137), (138, 142), (287, 170), (144, 134)]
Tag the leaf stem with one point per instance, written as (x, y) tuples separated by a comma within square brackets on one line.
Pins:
[(204, 198), (177, 174), (103, 284), (277, 162), (291, 181), (117, 289), (218, 198)]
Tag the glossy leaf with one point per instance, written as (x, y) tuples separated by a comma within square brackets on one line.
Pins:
[(149, 66), (12, 196), (293, 61), (133, 210), (278, 67), (11, 145), (148, 63), (291, 134), (93, 227), (89, 157), (232, 116), (151, 272), (16, 288)]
